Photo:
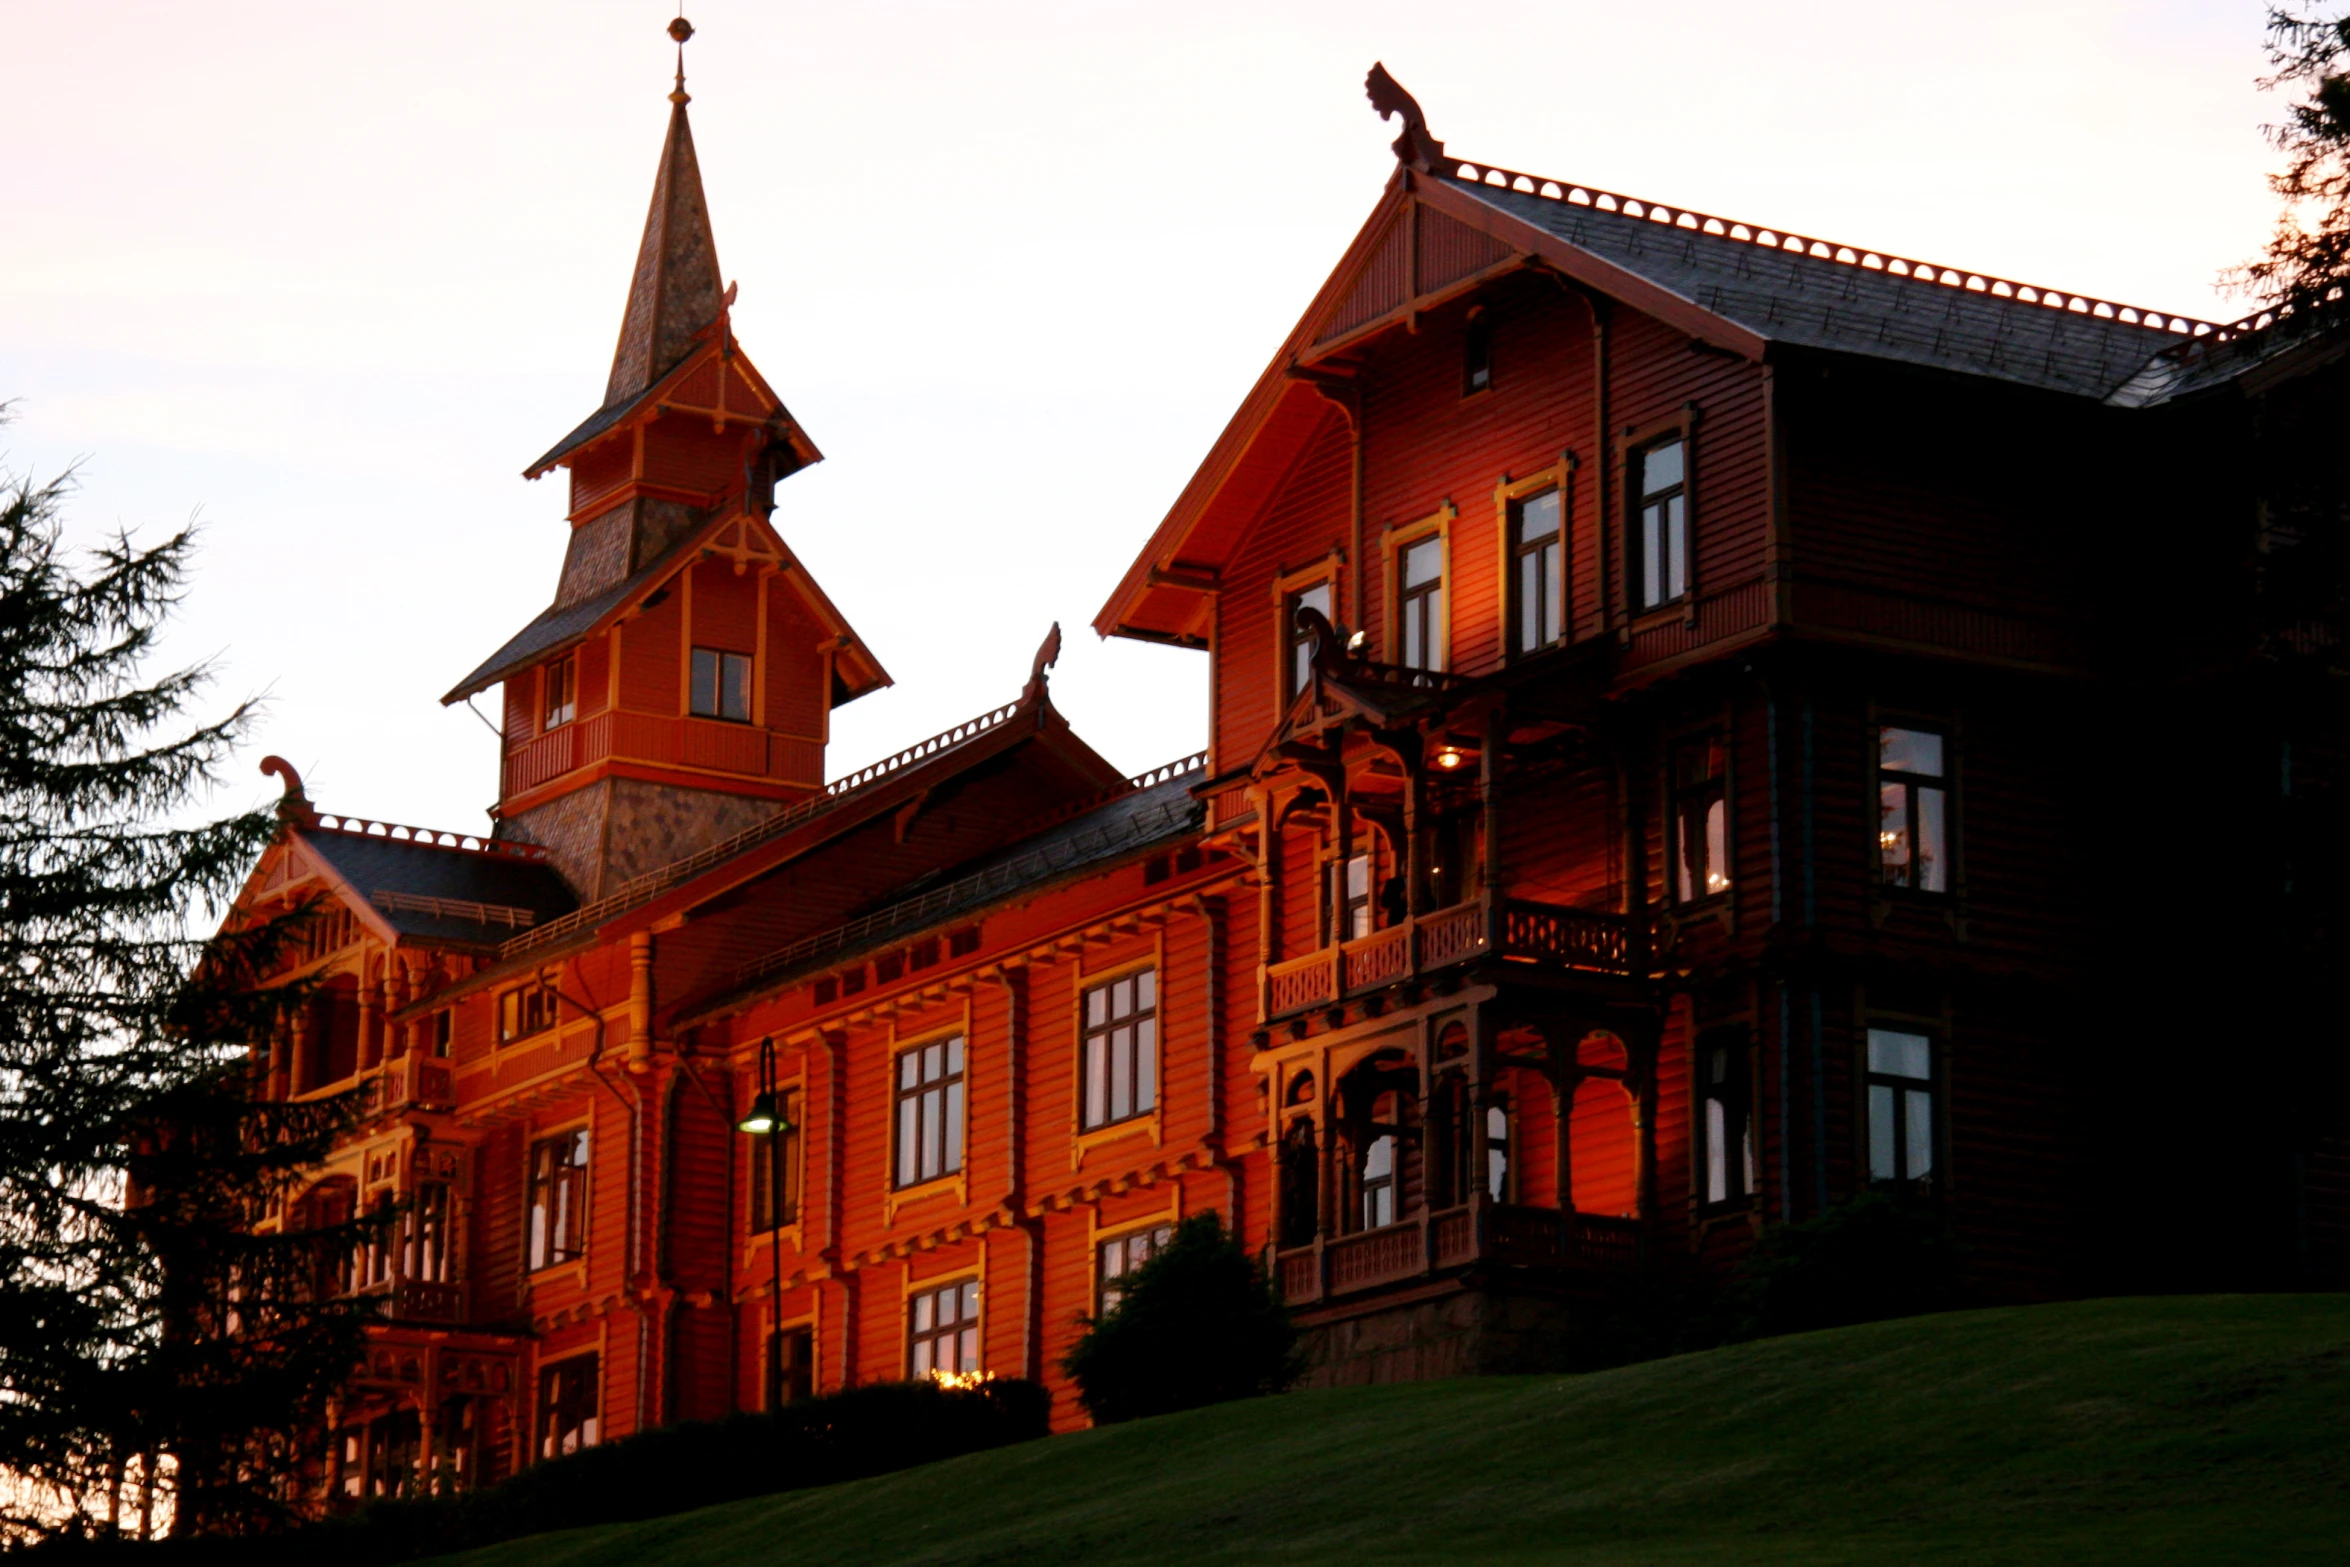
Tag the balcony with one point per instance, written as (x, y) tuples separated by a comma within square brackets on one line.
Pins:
[(1428, 1244), (1561, 938), (415, 1300), (411, 1082), (703, 744)]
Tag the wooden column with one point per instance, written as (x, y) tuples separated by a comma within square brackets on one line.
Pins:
[(640, 1002), (281, 1064), (305, 1071), (1565, 1082), (1489, 798), (1268, 900), (371, 1018), (1643, 1066)]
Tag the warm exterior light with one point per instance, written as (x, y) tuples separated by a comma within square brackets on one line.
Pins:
[(1359, 641), (763, 1119), (1449, 758), (961, 1380)]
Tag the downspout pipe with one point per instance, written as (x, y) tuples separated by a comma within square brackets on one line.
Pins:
[(632, 1249)]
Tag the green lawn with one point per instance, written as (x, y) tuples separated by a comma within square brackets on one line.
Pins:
[(2207, 1429)]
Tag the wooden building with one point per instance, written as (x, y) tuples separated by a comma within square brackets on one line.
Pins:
[(1665, 676)]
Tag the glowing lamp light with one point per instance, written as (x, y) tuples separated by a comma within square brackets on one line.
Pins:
[(1450, 757), (763, 1119), (961, 1381), (1359, 641)]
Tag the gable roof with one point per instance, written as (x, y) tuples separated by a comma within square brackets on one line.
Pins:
[(1155, 810), (1789, 288), (1445, 227), (560, 625), (432, 892)]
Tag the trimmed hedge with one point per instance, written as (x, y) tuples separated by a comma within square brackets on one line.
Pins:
[(865, 1431)]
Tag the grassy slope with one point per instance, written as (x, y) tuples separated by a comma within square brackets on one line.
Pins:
[(2210, 1429)]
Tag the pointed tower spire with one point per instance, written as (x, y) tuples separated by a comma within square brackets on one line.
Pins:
[(675, 291)]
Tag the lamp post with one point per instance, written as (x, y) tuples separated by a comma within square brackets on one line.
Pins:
[(766, 1119)]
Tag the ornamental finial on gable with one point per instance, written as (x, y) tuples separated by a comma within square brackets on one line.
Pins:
[(1415, 147)]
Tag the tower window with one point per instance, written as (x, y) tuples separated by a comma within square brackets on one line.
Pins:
[(1913, 810), (1701, 825), (562, 692), (721, 685), (1296, 638), (1477, 356), (1538, 585), (1662, 524), (1419, 602), (1901, 1105)]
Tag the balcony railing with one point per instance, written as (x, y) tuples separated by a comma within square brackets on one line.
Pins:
[(1430, 1243), (704, 743), (417, 1300), (1581, 939)]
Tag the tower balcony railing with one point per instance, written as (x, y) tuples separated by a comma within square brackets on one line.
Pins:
[(699, 744), (1430, 1243), (1526, 932)]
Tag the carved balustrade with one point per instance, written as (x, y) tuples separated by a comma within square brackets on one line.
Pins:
[(1427, 1244), (1541, 933)]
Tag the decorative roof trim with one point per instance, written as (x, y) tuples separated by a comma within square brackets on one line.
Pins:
[(1767, 237)]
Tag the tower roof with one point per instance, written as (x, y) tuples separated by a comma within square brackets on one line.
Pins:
[(675, 291)]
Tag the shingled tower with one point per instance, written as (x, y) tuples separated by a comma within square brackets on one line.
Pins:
[(679, 688)]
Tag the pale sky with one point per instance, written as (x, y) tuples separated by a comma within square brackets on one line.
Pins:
[(328, 276)]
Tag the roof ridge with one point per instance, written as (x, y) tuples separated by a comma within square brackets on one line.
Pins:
[(1007, 872), (641, 889), (423, 837), (1769, 237)]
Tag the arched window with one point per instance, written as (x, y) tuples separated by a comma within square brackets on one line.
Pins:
[(1497, 1150), (1301, 1186), (1378, 1182)]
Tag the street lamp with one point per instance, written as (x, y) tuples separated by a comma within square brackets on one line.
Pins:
[(765, 1118)]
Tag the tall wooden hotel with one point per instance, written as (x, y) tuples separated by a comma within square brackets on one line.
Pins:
[(1704, 719)]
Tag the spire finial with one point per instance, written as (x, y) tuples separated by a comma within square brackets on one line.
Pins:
[(681, 30)]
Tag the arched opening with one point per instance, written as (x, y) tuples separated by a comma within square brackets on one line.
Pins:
[(1603, 1130), (1379, 1133), (1300, 1165)]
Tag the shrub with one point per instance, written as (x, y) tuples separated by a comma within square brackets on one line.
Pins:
[(1881, 1253), (1198, 1323), (864, 1431)]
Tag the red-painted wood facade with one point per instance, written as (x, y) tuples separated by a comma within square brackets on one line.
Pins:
[(1668, 826)]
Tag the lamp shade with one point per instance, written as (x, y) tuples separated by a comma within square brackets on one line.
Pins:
[(764, 1118)]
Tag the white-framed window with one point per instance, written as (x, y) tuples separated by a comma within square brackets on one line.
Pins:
[(1901, 1105), (1120, 1065), (942, 1330), (721, 685), (930, 1111), (1661, 523), (1913, 808), (1119, 1256)]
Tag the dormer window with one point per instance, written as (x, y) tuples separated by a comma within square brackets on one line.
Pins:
[(562, 690), (1477, 354), (721, 685), (1299, 642)]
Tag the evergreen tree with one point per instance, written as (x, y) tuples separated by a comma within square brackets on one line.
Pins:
[(1198, 1323), (2307, 263), (148, 1338)]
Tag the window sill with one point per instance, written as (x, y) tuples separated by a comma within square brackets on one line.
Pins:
[(553, 1272), (1673, 611), (956, 1185), (1083, 1143)]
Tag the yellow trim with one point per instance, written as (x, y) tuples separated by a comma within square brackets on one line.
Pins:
[(974, 1272), (1392, 541), (1082, 1141), (1506, 494), (1097, 1234), (958, 1179), (1330, 569)]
